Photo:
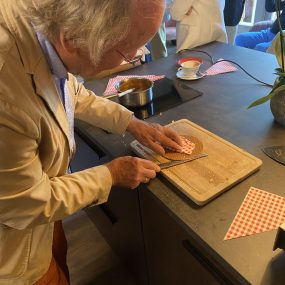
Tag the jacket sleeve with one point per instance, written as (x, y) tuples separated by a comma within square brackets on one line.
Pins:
[(100, 112), (29, 196), (179, 8)]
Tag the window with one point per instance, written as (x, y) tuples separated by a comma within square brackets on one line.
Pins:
[(248, 17), (254, 11)]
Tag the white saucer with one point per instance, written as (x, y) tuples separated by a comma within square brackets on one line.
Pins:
[(198, 75)]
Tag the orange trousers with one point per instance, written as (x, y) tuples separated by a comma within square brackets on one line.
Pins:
[(57, 273)]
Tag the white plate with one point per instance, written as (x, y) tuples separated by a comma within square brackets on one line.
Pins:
[(194, 77)]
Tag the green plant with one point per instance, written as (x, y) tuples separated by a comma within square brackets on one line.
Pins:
[(279, 84)]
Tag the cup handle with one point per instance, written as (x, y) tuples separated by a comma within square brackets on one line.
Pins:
[(180, 68)]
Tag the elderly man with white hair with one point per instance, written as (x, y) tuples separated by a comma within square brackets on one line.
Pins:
[(44, 43)]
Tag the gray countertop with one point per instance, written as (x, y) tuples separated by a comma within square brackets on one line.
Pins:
[(222, 109)]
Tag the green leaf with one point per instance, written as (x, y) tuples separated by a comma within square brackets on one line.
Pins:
[(280, 73), (260, 101), (278, 88), (279, 82), (264, 99), (276, 43)]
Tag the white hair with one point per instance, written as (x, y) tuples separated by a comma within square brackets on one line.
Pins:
[(96, 25)]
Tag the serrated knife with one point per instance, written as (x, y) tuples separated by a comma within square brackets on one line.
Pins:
[(177, 162)]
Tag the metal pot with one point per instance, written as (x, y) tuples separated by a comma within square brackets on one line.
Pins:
[(142, 94)]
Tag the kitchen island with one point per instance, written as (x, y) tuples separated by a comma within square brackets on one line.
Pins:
[(163, 237)]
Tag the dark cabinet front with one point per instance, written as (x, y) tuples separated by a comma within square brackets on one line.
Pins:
[(171, 257), (118, 220)]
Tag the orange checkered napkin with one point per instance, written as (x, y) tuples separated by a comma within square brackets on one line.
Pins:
[(187, 145), (260, 212)]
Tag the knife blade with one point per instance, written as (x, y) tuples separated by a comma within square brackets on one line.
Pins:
[(177, 162), (275, 152)]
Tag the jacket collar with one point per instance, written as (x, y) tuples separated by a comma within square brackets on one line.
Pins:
[(55, 64)]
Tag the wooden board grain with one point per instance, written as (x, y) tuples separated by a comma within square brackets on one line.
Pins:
[(203, 179)]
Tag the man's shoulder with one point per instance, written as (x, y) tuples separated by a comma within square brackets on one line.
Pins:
[(15, 84)]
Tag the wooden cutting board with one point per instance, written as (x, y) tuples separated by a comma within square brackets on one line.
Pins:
[(205, 178)]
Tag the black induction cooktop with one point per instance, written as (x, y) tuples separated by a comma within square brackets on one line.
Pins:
[(167, 94)]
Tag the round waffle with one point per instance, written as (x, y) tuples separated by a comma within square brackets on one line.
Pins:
[(173, 155)]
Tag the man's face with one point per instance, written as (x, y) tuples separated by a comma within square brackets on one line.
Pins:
[(146, 18), (81, 64)]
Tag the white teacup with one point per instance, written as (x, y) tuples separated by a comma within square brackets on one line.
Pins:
[(189, 68)]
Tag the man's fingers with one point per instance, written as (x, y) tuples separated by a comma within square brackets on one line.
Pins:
[(173, 135), (172, 144), (155, 136), (156, 148), (149, 165), (169, 143), (149, 174), (131, 171), (148, 170), (168, 138)]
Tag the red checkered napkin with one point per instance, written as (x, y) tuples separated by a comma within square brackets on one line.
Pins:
[(220, 67), (260, 212), (110, 89)]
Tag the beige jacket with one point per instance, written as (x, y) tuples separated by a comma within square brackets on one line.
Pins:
[(204, 24), (35, 190)]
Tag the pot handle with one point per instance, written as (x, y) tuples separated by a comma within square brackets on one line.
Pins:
[(111, 96), (121, 94)]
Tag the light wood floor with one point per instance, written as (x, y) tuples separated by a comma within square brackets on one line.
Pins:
[(91, 261)]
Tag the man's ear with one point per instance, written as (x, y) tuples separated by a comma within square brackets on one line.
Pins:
[(67, 44)]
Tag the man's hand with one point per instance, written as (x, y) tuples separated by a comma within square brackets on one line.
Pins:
[(154, 136), (129, 172)]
